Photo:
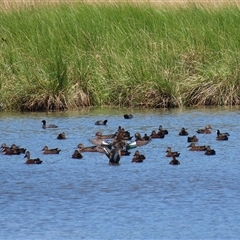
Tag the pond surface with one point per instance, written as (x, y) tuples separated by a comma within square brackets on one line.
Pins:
[(64, 198)]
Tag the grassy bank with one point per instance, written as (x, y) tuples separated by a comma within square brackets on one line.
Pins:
[(73, 55)]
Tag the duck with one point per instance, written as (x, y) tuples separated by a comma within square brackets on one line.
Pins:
[(222, 136), (137, 157), (82, 148), (61, 136), (206, 130), (174, 161), (183, 132), (210, 151), (46, 150), (31, 161), (10, 151), (13, 150), (101, 142), (128, 116), (122, 145), (139, 140), (77, 155), (122, 134), (4, 147), (162, 131), (146, 137), (154, 134), (171, 153), (193, 147), (101, 122), (119, 143), (125, 152), (17, 148), (44, 125), (99, 135), (114, 155), (101, 139), (192, 139)]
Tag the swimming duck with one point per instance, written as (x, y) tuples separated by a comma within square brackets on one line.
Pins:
[(101, 122), (137, 157), (4, 147), (174, 161), (139, 140), (193, 147), (183, 132), (13, 150), (170, 153), (128, 116), (162, 131), (48, 126), (10, 151), (113, 155), (82, 148), (210, 151), (32, 161), (206, 130), (46, 150), (99, 135), (154, 134), (18, 149), (125, 152), (222, 136), (101, 142), (192, 139), (121, 134), (77, 155), (101, 139), (61, 136), (122, 145), (146, 137)]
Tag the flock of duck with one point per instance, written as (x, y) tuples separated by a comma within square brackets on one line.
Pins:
[(118, 144)]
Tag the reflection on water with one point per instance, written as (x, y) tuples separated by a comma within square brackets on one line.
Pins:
[(65, 198)]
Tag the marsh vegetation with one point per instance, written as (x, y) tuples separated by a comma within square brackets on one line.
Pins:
[(68, 56)]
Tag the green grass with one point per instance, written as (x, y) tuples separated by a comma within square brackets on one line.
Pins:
[(74, 55)]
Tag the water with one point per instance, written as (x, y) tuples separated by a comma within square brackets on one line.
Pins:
[(65, 198)]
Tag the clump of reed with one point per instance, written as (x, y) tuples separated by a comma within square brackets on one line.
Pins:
[(70, 56)]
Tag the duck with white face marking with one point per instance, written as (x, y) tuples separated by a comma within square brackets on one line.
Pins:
[(44, 125), (222, 136)]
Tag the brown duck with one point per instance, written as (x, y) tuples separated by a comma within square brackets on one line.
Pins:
[(154, 134), (82, 148), (174, 161), (170, 153), (77, 155), (210, 151), (192, 139), (46, 150), (183, 132), (206, 130), (193, 147), (32, 161), (61, 136), (137, 157), (140, 141)]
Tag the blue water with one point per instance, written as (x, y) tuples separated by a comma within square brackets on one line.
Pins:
[(64, 198)]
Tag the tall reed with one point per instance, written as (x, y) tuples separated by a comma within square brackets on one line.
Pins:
[(73, 55)]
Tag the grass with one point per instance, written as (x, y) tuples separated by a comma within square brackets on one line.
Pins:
[(67, 56)]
